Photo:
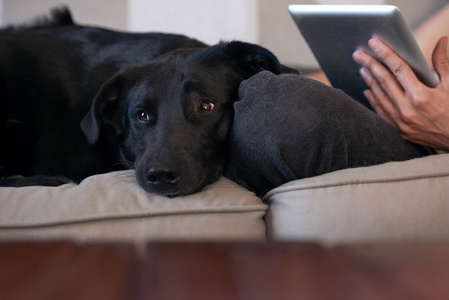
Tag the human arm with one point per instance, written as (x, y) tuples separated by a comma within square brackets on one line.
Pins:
[(319, 76)]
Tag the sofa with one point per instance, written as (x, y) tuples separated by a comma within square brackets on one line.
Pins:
[(396, 201)]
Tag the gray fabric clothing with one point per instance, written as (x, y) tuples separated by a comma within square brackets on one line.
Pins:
[(289, 127)]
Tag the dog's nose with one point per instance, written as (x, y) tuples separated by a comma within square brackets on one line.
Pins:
[(156, 176)]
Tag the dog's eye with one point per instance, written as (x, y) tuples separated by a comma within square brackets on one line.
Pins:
[(205, 106), (143, 117)]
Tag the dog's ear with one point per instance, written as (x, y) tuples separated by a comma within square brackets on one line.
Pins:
[(248, 59), (104, 110)]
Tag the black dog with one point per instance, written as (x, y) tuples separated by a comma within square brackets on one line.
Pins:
[(159, 103)]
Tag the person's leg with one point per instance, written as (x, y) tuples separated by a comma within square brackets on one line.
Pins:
[(288, 127)]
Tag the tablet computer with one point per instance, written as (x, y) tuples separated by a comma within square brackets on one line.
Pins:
[(334, 32)]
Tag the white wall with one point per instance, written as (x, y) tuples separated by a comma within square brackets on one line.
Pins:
[(206, 20)]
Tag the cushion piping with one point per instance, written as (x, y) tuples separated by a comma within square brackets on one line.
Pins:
[(98, 218), (338, 183)]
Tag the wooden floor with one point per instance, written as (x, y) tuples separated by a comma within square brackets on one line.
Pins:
[(64, 270)]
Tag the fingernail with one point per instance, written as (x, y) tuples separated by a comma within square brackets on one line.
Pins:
[(367, 94), (358, 56), (364, 72), (370, 97), (374, 45)]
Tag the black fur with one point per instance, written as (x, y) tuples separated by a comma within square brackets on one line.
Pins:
[(58, 17), (143, 101)]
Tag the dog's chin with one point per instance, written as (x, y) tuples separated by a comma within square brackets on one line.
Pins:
[(171, 192), (182, 188), (170, 195)]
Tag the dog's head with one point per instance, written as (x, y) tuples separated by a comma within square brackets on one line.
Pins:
[(174, 114)]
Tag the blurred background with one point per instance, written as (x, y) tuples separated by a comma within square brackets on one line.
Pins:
[(265, 22)]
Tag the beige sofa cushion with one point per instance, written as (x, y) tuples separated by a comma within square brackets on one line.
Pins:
[(397, 201), (113, 207)]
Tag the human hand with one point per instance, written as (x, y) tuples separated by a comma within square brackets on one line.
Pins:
[(419, 113)]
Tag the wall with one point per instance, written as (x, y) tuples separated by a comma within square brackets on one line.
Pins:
[(209, 21), (113, 15), (265, 22)]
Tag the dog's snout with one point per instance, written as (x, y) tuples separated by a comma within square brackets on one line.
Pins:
[(160, 176)]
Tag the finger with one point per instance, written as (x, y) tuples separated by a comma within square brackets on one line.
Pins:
[(376, 89), (400, 69), (378, 99), (440, 60), (378, 108), (383, 84)]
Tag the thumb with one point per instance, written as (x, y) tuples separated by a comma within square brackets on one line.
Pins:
[(440, 59)]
